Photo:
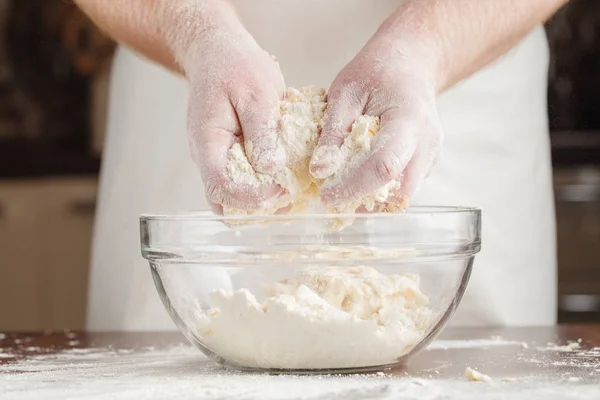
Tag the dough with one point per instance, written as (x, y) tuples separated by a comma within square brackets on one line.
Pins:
[(299, 124)]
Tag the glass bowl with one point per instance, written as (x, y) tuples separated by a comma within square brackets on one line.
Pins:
[(297, 294)]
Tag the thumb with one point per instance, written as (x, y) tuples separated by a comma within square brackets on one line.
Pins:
[(344, 106)]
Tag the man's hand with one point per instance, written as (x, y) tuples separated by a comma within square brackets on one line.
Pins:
[(235, 88), (382, 80)]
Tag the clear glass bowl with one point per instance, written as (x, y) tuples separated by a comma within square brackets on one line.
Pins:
[(363, 298)]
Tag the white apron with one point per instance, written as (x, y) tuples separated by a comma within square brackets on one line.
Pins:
[(496, 156)]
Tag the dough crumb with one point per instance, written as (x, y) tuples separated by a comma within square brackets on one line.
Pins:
[(475, 376)]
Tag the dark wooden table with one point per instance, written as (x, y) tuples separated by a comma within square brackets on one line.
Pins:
[(519, 360)]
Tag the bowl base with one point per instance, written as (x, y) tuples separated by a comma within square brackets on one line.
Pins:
[(320, 371)]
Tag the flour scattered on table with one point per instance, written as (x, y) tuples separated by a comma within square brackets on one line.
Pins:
[(475, 376), (573, 346), (324, 318), (471, 344), (183, 373)]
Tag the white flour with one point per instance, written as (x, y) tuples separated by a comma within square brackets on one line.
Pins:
[(323, 318), (299, 122), (474, 344), (182, 373), (564, 348)]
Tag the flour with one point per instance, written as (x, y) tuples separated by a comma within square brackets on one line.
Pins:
[(182, 373), (299, 122), (565, 348), (324, 318), (473, 344)]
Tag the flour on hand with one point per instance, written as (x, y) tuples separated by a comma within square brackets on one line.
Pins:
[(356, 150), (324, 318), (299, 122)]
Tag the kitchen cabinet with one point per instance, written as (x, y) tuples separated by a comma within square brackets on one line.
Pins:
[(19, 258), (577, 192), (45, 234)]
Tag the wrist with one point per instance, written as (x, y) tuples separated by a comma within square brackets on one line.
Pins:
[(190, 24), (418, 45)]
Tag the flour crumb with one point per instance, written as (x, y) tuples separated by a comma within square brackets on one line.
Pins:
[(574, 379), (475, 376), (2, 336)]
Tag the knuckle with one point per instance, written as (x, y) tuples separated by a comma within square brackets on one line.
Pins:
[(419, 109), (214, 189), (348, 92), (388, 166), (435, 137)]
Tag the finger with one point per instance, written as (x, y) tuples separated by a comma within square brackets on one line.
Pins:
[(344, 105), (425, 157), (257, 112), (211, 154), (217, 209), (392, 148)]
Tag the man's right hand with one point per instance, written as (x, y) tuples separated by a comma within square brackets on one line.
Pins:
[(235, 88)]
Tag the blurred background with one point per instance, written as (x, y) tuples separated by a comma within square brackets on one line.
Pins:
[(54, 68)]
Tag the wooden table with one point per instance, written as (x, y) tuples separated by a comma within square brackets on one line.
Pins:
[(522, 362)]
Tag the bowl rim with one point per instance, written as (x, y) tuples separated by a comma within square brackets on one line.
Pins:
[(210, 216)]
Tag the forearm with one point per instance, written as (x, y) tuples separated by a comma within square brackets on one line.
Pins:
[(161, 30), (458, 37)]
